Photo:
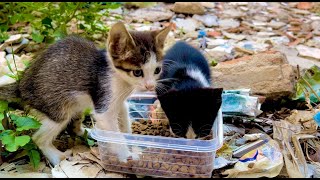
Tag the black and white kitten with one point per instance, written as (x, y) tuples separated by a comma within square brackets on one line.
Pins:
[(186, 71)]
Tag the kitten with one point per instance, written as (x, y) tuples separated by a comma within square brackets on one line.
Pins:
[(73, 75), (184, 69)]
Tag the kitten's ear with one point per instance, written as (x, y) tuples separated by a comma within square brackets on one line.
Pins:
[(161, 35), (119, 40)]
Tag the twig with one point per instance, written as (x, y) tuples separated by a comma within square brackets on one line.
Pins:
[(311, 88)]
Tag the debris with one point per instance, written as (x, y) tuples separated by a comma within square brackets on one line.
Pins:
[(188, 8), (272, 76), (308, 51), (187, 25), (16, 48), (233, 36), (208, 20), (308, 86), (305, 5), (266, 162), (228, 23), (236, 103), (151, 14)]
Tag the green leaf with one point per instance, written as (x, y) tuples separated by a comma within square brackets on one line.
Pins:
[(15, 18), (90, 142), (82, 26), (47, 22), (12, 143), (37, 37), (5, 133), (3, 106), (25, 123), (34, 157), (1, 118)]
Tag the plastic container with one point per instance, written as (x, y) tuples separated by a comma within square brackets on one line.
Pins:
[(159, 156)]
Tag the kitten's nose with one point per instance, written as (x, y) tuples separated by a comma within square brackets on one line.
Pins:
[(150, 87)]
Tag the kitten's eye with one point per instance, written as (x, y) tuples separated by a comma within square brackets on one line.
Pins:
[(157, 71), (137, 73)]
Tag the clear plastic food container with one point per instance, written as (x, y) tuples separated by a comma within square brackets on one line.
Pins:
[(159, 156)]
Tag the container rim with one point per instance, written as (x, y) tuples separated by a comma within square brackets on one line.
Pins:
[(183, 144)]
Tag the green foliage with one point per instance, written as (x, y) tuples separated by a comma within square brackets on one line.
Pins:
[(17, 136), (88, 141), (50, 21)]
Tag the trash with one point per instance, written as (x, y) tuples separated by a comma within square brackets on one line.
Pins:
[(238, 102), (202, 34), (267, 161), (317, 118)]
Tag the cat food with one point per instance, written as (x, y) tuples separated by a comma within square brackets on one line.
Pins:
[(154, 151), (165, 163)]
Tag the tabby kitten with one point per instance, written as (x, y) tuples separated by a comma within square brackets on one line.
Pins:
[(73, 75)]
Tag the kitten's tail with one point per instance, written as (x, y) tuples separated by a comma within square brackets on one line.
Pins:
[(9, 92)]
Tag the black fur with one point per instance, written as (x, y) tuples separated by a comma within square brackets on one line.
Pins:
[(176, 61), (185, 100)]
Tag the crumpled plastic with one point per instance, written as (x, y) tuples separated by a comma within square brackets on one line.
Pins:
[(267, 161)]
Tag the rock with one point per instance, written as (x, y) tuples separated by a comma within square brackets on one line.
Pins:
[(119, 10), (2, 58), (181, 16), (294, 59), (188, 25), (265, 34), (208, 20), (213, 33), (271, 76), (305, 5), (212, 43), (218, 56), (238, 3), (192, 34), (232, 13), (308, 51), (276, 24), (3, 46), (188, 8), (299, 11), (151, 14), (16, 48), (228, 23), (208, 4), (14, 39), (315, 25), (169, 42), (233, 36)]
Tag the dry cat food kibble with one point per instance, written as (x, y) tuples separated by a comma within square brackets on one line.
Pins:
[(168, 163), (149, 127)]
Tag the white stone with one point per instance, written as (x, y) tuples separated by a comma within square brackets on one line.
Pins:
[(208, 20), (308, 51), (14, 39), (228, 23), (188, 25)]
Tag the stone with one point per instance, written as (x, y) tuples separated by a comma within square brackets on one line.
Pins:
[(188, 25), (238, 3), (14, 39), (151, 14), (308, 51), (293, 58), (299, 11), (3, 46), (16, 48), (208, 20), (2, 58), (228, 23), (265, 34), (208, 4), (233, 36), (119, 10), (218, 56), (213, 34), (305, 5), (276, 24), (192, 34), (232, 13), (272, 75), (188, 8), (212, 43)]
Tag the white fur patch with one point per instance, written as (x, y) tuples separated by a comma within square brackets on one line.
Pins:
[(148, 70), (199, 76)]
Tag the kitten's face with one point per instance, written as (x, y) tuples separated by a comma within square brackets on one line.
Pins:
[(136, 56)]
